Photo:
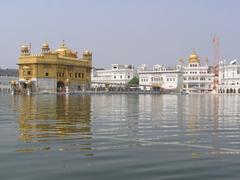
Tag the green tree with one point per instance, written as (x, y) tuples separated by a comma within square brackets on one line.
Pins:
[(134, 81)]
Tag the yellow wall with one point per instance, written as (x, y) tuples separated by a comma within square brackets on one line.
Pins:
[(53, 65)]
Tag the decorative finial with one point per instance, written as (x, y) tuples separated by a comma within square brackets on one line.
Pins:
[(193, 50), (63, 43)]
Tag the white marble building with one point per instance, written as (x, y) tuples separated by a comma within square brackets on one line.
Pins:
[(229, 77), (117, 75), (160, 78), (197, 78)]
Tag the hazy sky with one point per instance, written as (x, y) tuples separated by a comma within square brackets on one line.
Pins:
[(121, 31)]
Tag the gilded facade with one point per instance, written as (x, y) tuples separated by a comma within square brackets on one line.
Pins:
[(54, 71)]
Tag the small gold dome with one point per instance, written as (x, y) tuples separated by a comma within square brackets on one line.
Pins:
[(193, 58), (45, 44), (45, 47), (24, 47), (87, 53)]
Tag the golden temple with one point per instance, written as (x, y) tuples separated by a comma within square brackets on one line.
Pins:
[(54, 71)]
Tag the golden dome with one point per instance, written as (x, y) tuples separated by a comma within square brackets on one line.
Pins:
[(193, 58), (65, 51), (45, 44), (62, 49)]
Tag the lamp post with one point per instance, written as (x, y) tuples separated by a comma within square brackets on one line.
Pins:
[(67, 86), (29, 82), (13, 87)]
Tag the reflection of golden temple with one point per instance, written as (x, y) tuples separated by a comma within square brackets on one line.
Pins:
[(53, 117), (49, 70)]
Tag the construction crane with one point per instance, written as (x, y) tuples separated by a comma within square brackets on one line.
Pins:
[(216, 59)]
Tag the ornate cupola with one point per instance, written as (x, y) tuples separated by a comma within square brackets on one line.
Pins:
[(87, 55), (25, 50), (45, 48)]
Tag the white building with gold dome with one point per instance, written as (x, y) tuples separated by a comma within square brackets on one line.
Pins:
[(197, 78), (54, 71)]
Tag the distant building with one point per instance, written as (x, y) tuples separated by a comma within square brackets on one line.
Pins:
[(229, 77), (197, 78), (116, 76), (7, 76), (160, 78), (54, 71)]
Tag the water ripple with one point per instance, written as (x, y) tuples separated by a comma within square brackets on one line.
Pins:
[(123, 136)]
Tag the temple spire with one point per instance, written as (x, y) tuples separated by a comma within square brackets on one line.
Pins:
[(63, 43)]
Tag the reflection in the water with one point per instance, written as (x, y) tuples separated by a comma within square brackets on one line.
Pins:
[(119, 121), (46, 118), (144, 136)]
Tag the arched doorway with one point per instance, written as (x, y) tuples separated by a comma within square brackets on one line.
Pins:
[(60, 86), (24, 85)]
